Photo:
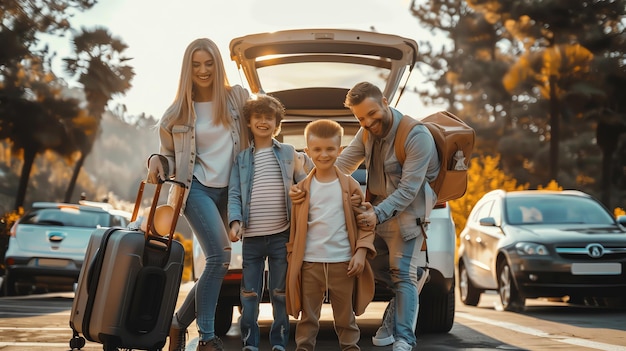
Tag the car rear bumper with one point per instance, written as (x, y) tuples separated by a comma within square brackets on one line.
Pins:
[(43, 270)]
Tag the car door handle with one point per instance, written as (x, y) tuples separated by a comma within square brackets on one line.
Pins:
[(56, 237)]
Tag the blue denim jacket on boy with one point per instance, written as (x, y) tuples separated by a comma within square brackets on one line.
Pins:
[(292, 167)]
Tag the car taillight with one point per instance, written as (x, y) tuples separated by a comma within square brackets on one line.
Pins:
[(233, 276), (441, 205)]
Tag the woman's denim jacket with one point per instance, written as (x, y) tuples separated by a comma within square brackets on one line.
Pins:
[(292, 168), (406, 184)]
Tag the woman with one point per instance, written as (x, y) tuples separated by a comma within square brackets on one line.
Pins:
[(200, 135)]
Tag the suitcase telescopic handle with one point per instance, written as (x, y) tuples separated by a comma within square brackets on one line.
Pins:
[(151, 231)]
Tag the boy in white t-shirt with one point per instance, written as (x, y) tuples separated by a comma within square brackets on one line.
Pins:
[(327, 250)]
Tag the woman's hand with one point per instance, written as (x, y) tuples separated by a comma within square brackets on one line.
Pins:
[(156, 171)]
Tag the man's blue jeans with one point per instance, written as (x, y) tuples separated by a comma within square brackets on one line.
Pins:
[(396, 264), (255, 252)]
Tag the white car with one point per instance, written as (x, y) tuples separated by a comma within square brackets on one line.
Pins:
[(310, 71), (47, 244)]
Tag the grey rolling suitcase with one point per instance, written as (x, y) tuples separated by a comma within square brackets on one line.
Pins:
[(128, 285)]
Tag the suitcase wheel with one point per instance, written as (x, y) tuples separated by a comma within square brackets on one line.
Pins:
[(77, 343)]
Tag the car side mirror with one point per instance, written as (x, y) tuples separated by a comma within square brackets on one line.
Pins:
[(622, 220), (487, 222)]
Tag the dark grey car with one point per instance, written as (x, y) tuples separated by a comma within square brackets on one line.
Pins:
[(530, 244)]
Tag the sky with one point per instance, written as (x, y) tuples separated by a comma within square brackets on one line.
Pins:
[(158, 31)]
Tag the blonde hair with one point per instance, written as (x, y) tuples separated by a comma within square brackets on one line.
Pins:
[(181, 108), (323, 128)]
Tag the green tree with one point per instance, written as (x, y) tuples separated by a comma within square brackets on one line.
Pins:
[(484, 175), (561, 43), (33, 111), (36, 118), (466, 68), (100, 65)]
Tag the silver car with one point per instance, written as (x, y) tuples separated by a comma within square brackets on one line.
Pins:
[(47, 244), (310, 71)]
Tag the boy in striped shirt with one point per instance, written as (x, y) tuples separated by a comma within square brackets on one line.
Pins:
[(259, 211)]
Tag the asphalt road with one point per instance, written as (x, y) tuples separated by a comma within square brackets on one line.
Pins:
[(40, 322)]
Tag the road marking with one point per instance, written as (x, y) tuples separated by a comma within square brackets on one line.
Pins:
[(539, 333), (33, 314), (35, 344), (26, 328)]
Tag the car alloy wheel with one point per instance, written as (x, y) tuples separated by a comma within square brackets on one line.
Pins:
[(469, 294), (509, 295)]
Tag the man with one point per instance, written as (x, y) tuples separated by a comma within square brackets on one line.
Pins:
[(398, 193)]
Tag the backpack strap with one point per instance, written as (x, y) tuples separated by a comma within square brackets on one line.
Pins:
[(406, 124), (402, 132)]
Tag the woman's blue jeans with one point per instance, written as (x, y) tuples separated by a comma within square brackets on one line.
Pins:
[(255, 250), (205, 211)]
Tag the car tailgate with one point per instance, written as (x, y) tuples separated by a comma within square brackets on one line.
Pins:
[(37, 239)]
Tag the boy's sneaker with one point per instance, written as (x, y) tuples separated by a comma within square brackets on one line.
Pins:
[(384, 334), (401, 345)]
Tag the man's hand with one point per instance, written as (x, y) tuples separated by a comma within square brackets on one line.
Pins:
[(355, 200), (235, 231), (296, 195), (366, 218)]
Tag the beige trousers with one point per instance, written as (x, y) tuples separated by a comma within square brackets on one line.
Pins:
[(319, 279)]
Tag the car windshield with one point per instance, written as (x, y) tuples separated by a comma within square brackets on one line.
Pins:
[(69, 217), (550, 209)]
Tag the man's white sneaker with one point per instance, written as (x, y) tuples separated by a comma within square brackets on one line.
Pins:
[(382, 337), (384, 334), (401, 345)]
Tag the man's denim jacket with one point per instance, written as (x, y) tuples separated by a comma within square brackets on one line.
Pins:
[(406, 184)]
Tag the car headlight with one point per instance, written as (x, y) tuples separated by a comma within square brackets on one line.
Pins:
[(524, 248)]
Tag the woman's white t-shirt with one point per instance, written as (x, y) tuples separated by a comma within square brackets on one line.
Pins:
[(214, 148)]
